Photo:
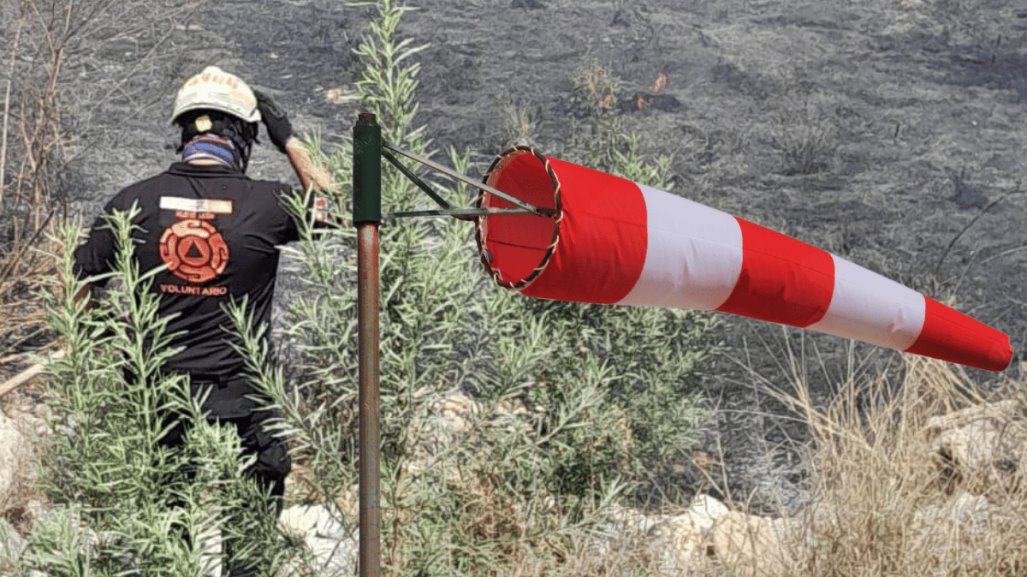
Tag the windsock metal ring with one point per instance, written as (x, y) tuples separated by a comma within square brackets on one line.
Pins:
[(494, 173), (619, 242)]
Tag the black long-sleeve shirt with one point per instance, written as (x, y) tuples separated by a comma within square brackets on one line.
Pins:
[(216, 230)]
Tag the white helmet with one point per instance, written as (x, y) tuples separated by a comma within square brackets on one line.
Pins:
[(215, 89)]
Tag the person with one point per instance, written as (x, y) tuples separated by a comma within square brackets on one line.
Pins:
[(215, 230)]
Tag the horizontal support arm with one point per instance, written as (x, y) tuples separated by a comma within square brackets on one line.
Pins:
[(459, 213)]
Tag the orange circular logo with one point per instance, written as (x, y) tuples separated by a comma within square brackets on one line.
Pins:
[(194, 250)]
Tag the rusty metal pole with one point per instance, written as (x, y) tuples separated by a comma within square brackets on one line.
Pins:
[(367, 216)]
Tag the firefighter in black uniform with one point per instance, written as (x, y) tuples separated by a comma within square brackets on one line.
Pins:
[(216, 231)]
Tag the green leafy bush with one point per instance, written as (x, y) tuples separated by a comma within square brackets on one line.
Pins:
[(509, 426), (123, 504)]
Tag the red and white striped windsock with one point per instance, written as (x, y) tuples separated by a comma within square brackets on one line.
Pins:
[(618, 242)]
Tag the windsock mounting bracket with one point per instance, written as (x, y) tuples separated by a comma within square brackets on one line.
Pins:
[(446, 209)]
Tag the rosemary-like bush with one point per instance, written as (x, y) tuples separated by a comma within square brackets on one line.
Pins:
[(509, 426), (123, 504)]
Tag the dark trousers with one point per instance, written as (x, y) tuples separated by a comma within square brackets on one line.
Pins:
[(227, 405), (272, 465)]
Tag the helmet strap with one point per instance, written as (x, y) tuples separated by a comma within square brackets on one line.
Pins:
[(230, 135)]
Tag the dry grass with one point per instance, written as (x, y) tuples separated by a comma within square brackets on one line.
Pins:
[(804, 135), (46, 45), (520, 126), (596, 87), (883, 499), (30, 156), (884, 502)]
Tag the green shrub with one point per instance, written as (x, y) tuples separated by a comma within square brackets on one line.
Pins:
[(573, 406), (124, 504)]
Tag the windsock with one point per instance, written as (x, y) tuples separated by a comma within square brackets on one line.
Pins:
[(613, 241)]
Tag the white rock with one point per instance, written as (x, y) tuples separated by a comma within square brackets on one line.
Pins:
[(622, 528), (11, 542), (748, 545), (452, 416), (966, 510), (13, 452), (35, 511), (332, 546), (630, 520), (962, 525), (985, 443), (301, 520), (676, 545), (675, 542), (705, 511), (453, 412)]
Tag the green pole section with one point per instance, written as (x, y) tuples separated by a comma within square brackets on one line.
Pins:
[(367, 170), (367, 214)]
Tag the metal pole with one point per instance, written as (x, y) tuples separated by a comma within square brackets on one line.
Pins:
[(367, 215)]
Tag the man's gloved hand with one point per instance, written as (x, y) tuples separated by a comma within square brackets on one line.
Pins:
[(279, 128)]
